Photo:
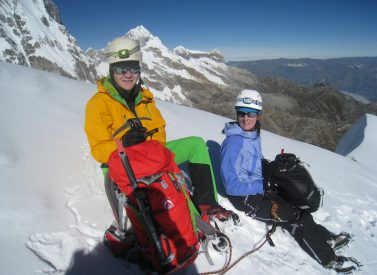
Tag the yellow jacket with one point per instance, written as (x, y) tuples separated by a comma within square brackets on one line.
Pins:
[(107, 111)]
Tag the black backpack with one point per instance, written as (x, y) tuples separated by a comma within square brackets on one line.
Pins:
[(294, 182)]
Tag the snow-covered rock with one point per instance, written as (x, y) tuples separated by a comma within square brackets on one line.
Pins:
[(32, 34)]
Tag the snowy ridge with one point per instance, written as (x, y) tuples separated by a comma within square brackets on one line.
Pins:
[(30, 36), (157, 55), (54, 209), (161, 65)]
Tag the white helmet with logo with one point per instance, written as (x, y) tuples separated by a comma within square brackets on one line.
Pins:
[(123, 49), (249, 99)]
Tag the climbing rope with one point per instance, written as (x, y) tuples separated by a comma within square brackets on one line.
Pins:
[(267, 239)]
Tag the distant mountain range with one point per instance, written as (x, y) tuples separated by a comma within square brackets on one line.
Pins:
[(355, 75), (32, 34)]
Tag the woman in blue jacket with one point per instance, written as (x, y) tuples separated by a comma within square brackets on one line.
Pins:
[(242, 176)]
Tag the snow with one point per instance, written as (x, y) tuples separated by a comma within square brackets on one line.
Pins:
[(168, 94), (296, 65), (54, 209), (55, 43), (32, 12), (102, 69)]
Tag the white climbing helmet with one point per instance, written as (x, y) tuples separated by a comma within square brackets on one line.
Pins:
[(123, 49), (249, 99)]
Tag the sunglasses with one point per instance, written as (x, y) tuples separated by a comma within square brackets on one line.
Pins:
[(250, 114), (121, 71)]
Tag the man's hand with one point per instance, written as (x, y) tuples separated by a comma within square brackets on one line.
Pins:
[(134, 136)]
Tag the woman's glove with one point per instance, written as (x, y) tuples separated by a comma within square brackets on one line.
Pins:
[(269, 184), (266, 169)]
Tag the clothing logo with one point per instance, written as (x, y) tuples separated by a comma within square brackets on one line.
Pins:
[(168, 204), (164, 184)]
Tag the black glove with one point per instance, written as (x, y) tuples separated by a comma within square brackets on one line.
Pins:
[(134, 136), (269, 183), (266, 169)]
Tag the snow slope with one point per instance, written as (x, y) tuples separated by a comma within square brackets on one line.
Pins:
[(53, 209)]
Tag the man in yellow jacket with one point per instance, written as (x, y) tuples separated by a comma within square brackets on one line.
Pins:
[(122, 96)]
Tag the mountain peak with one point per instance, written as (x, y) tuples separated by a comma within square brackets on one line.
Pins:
[(140, 31), (144, 36)]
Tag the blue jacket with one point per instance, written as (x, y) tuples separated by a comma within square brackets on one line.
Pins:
[(241, 166)]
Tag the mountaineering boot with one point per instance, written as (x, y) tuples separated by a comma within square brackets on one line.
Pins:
[(340, 240), (342, 264), (118, 241), (220, 213)]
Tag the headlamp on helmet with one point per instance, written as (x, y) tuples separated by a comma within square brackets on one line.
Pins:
[(124, 53)]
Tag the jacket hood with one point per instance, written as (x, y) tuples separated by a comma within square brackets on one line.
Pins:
[(232, 128)]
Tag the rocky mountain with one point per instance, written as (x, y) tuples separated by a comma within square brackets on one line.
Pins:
[(180, 75), (318, 114), (185, 76), (32, 34), (356, 75)]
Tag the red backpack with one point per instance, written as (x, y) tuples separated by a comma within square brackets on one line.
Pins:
[(158, 205)]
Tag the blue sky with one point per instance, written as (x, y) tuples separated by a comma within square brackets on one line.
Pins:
[(241, 30)]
